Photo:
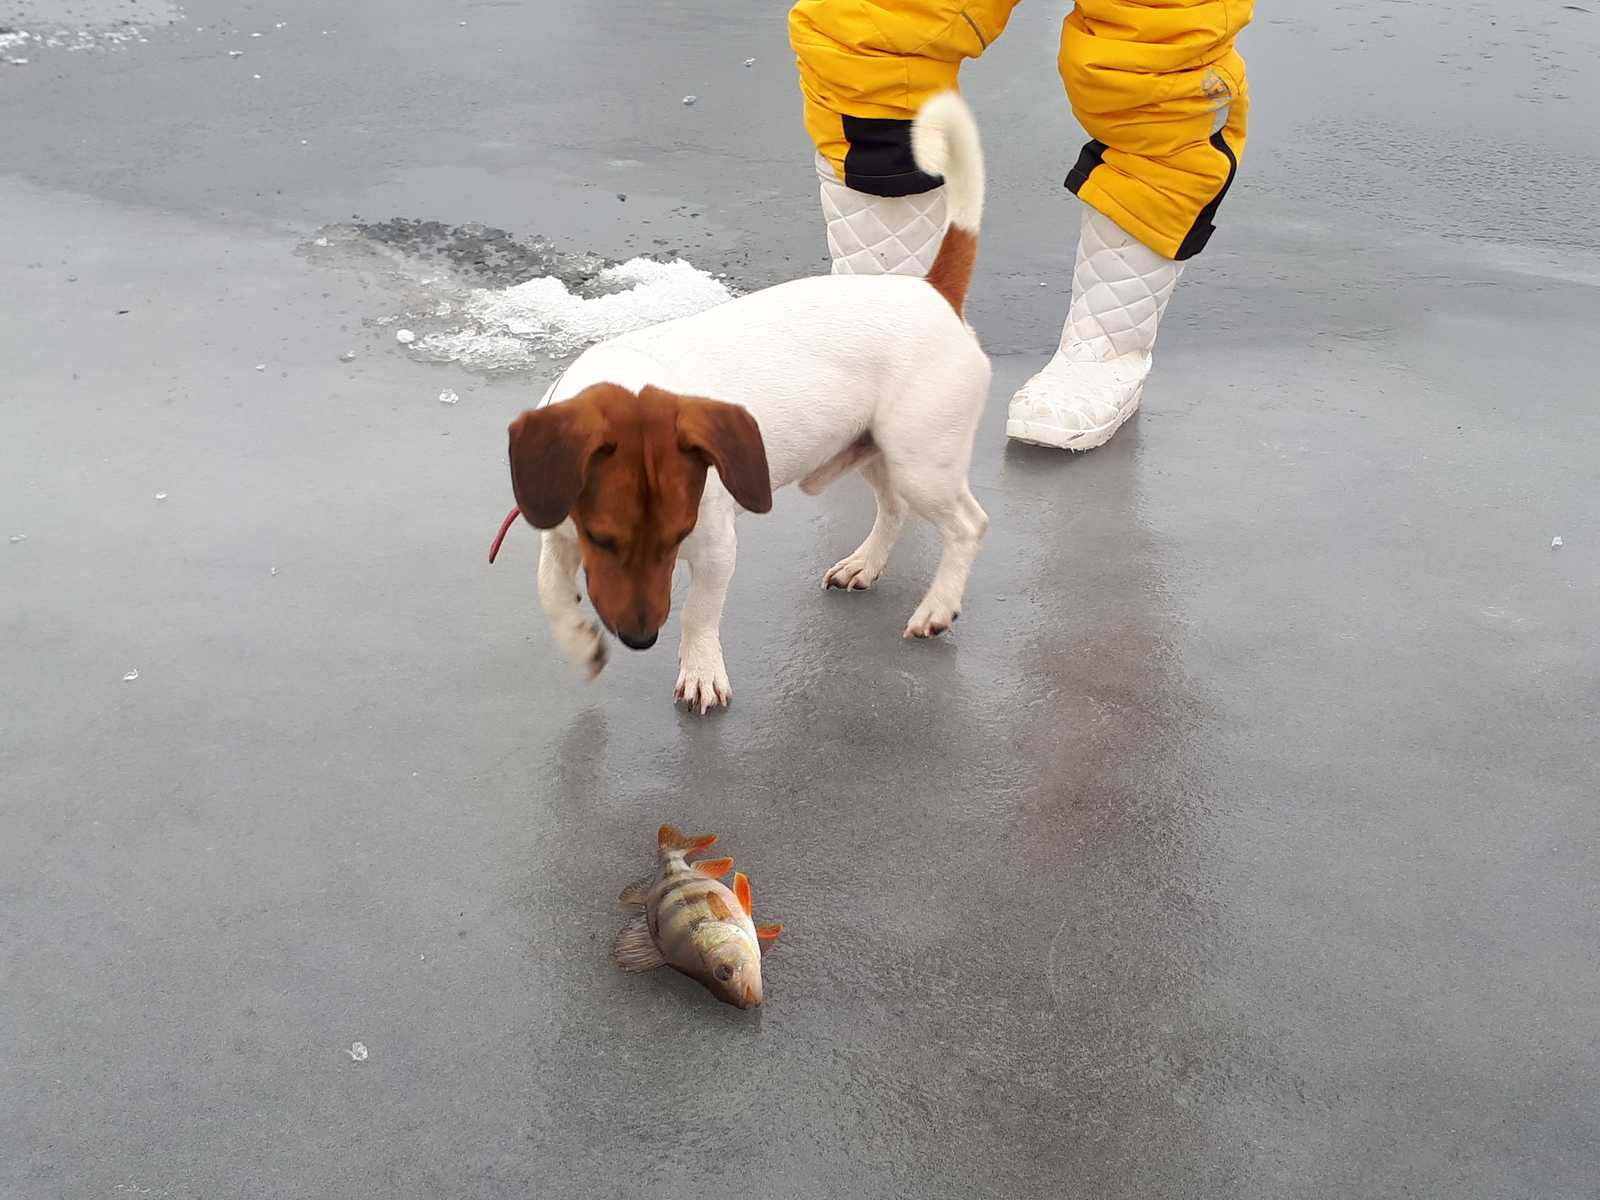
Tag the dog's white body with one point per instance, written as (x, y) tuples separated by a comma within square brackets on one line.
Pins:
[(819, 363)]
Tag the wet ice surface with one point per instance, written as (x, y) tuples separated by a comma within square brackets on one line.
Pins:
[(1244, 851), (542, 304)]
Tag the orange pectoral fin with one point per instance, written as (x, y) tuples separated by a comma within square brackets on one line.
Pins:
[(741, 889), (718, 906), (767, 934), (714, 868)]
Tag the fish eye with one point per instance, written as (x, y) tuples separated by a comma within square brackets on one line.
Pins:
[(724, 972)]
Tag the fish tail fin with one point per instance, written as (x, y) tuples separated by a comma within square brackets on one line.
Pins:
[(670, 839)]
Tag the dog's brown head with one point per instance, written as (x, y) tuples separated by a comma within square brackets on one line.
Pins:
[(629, 470)]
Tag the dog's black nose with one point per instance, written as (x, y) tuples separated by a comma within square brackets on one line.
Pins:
[(637, 641)]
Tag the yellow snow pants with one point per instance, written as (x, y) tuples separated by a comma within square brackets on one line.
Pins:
[(1157, 85)]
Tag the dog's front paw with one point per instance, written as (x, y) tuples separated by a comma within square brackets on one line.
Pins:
[(703, 681), (854, 574), (930, 620), (584, 642)]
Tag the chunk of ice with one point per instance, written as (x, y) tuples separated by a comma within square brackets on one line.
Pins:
[(448, 397), (131, 676), (404, 336), (19, 537), (1554, 542), (688, 100), (357, 1052)]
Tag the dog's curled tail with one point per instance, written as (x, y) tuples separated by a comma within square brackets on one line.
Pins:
[(944, 141)]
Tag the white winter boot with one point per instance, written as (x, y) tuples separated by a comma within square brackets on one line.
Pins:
[(1119, 290), (880, 235)]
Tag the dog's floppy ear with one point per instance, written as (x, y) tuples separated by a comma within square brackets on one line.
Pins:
[(550, 452), (729, 438)]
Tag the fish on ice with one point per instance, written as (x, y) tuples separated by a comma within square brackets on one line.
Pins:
[(690, 922)]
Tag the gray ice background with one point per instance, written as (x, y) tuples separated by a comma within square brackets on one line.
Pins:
[(1239, 842)]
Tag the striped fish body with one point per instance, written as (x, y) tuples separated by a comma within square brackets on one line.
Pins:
[(690, 922)]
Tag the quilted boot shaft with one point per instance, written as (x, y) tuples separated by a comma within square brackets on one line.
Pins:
[(880, 235), (1120, 288), (1093, 384)]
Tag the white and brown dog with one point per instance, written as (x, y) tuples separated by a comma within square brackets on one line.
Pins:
[(811, 380)]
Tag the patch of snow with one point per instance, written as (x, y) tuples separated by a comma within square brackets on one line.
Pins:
[(509, 326), (80, 24), (491, 301)]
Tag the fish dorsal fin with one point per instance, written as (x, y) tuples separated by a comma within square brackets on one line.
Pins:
[(635, 949), (714, 868), (718, 906), (668, 838), (741, 889), (637, 892), (767, 934)]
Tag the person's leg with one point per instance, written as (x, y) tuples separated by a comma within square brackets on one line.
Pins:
[(865, 70), (1161, 91)]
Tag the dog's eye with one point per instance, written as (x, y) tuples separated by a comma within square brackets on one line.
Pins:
[(602, 543)]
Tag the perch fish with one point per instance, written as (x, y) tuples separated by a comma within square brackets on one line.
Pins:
[(693, 924)]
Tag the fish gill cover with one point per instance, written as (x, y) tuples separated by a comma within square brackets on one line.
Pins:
[(492, 301)]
